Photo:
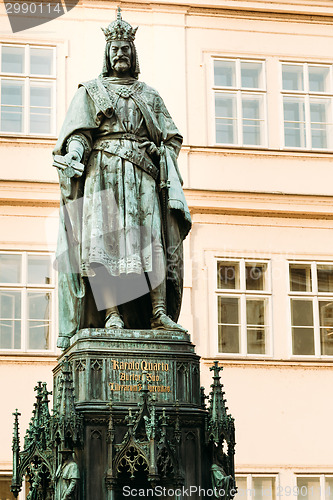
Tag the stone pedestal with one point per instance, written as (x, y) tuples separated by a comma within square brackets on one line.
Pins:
[(142, 385), (129, 420), (108, 365)]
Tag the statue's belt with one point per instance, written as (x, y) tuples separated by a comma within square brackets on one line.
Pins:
[(127, 154)]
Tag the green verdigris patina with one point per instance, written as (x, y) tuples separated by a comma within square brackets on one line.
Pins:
[(128, 410), (124, 218)]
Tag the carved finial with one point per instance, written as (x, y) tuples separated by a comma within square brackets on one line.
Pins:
[(16, 439), (119, 14), (217, 369), (130, 420), (16, 483)]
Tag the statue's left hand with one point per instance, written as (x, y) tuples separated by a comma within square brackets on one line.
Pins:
[(63, 343), (151, 149)]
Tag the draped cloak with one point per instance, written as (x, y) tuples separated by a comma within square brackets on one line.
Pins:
[(102, 210)]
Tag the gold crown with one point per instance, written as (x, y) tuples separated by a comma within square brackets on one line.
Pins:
[(119, 30)]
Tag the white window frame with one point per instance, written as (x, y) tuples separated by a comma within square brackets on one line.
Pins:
[(315, 296), (239, 90), (25, 287), (309, 475), (249, 484), (307, 94), (243, 293), (28, 78)]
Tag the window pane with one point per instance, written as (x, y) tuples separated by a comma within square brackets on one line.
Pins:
[(300, 277), (225, 73), (252, 116), (328, 488), (255, 276), (12, 60), (325, 278), (251, 74), (225, 105), (5, 484), (41, 61), (326, 327), (10, 268), (320, 112), (11, 119), (11, 105), (301, 312), (251, 107), (228, 310), (40, 96), (39, 269), (309, 488), (39, 324), (294, 122), (241, 484), (255, 312), (301, 317), (40, 121), (10, 304), (303, 341), (228, 275), (12, 92), (226, 123), (39, 305), (256, 319), (226, 131), (292, 77), (228, 339), (10, 334), (39, 333), (256, 340), (40, 108), (319, 79), (10, 319), (264, 488)]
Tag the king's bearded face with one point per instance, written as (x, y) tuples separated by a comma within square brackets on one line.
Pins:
[(120, 56)]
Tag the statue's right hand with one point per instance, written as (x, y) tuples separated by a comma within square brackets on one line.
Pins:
[(73, 155), (70, 157)]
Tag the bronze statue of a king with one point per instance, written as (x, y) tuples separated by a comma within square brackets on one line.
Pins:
[(123, 212)]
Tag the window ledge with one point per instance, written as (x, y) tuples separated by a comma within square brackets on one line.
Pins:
[(270, 362), (223, 148), (27, 139), (24, 357)]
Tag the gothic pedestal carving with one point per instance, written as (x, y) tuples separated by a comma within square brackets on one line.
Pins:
[(159, 442), (128, 403)]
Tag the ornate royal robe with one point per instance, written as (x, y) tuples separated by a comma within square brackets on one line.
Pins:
[(115, 214)]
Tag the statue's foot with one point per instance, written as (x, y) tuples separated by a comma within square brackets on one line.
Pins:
[(63, 343), (114, 321), (163, 322)]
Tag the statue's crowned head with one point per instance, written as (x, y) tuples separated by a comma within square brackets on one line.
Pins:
[(119, 33)]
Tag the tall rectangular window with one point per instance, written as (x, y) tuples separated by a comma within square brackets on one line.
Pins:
[(26, 301), (307, 93), (255, 486), (239, 98), (243, 304), (311, 306), (316, 487), (27, 89)]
